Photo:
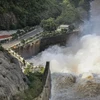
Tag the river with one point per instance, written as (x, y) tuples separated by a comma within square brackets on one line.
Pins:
[(75, 69)]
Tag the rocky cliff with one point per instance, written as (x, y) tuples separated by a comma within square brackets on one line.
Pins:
[(16, 14), (12, 80), (8, 20)]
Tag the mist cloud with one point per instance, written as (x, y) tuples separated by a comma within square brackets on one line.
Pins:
[(80, 55)]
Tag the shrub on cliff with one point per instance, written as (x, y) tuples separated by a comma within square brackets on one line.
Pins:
[(23, 41), (1, 48), (35, 87), (71, 28)]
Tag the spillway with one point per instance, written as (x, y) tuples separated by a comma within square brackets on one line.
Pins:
[(75, 68)]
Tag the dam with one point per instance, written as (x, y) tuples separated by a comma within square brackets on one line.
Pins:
[(75, 68)]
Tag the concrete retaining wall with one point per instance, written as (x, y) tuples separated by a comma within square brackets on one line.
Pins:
[(49, 41), (45, 95), (34, 48), (29, 49)]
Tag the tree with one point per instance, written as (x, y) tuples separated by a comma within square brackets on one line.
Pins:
[(1, 48), (22, 41), (69, 14), (71, 28), (48, 25), (64, 31)]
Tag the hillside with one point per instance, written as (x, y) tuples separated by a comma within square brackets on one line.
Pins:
[(12, 80), (20, 13)]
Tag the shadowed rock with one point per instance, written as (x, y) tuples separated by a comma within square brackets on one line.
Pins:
[(12, 80)]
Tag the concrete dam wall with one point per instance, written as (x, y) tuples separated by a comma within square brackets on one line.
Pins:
[(45, 95), (34, 48)]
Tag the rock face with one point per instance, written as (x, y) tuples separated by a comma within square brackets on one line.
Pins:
[(8, 20), (12, 80)]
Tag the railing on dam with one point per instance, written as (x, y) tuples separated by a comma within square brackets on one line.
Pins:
[(34, 38), (30, 40), (20, 59)]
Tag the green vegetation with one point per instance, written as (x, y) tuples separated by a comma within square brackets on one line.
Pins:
[(73, 12), (56, 32), (23, 41), (1, 48), (28, 70), (35, 87), (22, 32), (49, 24), (21, 13), (35, 84), (71, 28), (64, 31), (30, 40)]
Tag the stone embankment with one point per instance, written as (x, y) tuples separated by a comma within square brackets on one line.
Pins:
[(12, 80)]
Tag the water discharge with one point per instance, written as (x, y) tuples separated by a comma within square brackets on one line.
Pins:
[(76, 68)]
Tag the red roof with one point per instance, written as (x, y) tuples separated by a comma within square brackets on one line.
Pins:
[(3, 37)]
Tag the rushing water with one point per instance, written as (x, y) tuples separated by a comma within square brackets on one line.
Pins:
[(76, 67)]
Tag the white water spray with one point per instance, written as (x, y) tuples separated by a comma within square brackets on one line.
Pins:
[(82, 56)]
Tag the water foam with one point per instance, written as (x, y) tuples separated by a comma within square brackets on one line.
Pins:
[(81, 56)]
